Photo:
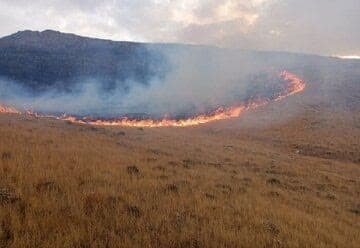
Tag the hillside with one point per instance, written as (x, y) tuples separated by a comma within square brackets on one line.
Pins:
[(56, 73), (50, 59)]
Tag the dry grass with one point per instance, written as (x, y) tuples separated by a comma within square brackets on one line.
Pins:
[(64, 185), (293, 183)]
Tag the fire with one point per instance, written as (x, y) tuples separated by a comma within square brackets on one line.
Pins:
[(8, 110), (293, 85)]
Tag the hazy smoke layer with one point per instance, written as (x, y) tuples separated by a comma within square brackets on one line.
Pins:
[(200, 80)]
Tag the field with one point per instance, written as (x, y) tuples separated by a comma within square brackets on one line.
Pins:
[(283, 175)]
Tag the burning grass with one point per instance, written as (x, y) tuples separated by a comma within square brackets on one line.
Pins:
[(292, 85), (7, 109)]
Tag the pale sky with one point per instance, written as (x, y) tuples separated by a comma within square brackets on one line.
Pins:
[(326, 27)]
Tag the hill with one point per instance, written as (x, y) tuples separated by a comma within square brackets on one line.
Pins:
[(53, 72), (50, 59)]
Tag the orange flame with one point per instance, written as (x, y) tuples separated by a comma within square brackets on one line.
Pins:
[(8, 110), (293, 85)]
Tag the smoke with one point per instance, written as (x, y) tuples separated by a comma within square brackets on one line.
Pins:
[(201, 79)]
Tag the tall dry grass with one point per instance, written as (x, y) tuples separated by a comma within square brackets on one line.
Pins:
[(66, 185)]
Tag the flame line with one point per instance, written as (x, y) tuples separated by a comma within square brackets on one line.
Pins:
[(294, 86)]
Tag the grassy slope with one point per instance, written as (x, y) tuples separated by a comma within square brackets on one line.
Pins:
[(266, 179)]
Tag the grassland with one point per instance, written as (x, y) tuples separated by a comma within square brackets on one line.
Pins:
[(267, 179)]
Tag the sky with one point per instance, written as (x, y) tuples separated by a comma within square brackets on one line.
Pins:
[(325, 27)]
